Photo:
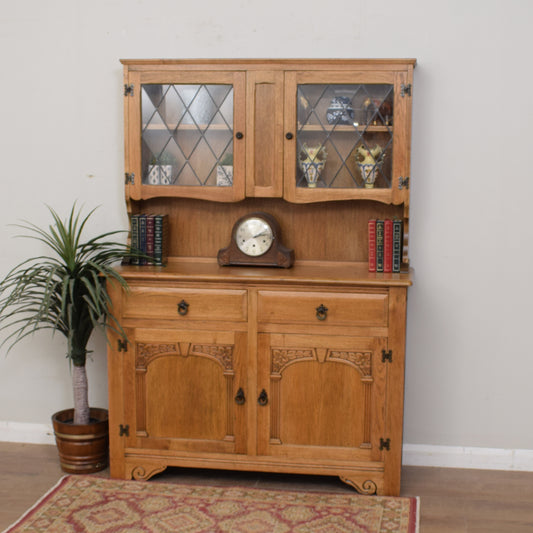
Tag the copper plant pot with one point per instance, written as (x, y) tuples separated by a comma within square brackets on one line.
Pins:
[(83, 449)]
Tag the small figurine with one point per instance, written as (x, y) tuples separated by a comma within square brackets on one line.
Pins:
[(377, 112)]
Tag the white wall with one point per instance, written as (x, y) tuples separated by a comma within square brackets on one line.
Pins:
[(469, 359)]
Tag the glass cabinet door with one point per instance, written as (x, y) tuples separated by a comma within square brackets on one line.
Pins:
[(345, 141), (189, 139)]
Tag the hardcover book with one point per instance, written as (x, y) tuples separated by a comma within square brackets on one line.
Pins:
[(387, 246), (142, 237), (397, 238), (135, 237), (150, 221), (160, 239), (372, 245), (149, 235), (380, 234)]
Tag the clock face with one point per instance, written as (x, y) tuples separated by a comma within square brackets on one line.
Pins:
[(254, 236)]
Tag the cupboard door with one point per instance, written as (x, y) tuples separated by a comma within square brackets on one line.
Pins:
[(185, 135), (348, 133), (264, 155), (323, 397), (181, 387)]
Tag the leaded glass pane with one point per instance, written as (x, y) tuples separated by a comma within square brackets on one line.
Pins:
[(344, 135), (187, 134)]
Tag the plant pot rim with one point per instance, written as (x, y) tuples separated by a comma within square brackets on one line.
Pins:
[(97, 415)]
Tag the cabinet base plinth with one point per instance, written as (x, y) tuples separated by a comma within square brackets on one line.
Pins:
[(363, 477)]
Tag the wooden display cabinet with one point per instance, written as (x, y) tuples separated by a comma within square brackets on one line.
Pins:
[(296, 370)]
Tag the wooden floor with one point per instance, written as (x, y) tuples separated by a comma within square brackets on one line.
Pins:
[(451, 500)]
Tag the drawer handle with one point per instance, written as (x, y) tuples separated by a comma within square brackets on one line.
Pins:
[(183, 308), (263, 398), (239, 397), (321, 312)]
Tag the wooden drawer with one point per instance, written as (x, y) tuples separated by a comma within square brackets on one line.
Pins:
[(341, 309), (186, 304)]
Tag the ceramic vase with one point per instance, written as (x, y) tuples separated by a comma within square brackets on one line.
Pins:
[(340, 111), (369, 174), (312, 171)]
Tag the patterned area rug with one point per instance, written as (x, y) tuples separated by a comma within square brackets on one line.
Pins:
[(91, 504)]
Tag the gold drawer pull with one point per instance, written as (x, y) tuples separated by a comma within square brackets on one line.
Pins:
[(321, 312)]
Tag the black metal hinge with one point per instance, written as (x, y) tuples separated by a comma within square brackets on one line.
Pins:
[(405, 89), (122, 345), (384, 444), (386, 356), (123, 431), (403, 182), (129, 177), (128, 89)]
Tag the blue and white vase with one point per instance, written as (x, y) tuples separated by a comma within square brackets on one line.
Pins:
[(340, 111)]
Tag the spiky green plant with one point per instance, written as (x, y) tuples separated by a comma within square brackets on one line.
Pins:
[(64, 291)]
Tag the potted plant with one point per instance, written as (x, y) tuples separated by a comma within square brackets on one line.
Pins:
[(65, 291)]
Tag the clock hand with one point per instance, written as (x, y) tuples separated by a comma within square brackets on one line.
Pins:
[(262, 234)]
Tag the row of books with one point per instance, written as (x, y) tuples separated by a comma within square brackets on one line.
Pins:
[(149, 234), (385, 239)]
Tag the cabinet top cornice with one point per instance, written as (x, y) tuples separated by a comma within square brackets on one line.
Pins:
[(281, 64)]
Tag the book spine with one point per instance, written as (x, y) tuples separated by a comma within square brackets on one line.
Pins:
[(387, 246), (150, 236), (396, 245), (380, 233), (142, 237), (135, 237), (372, 245), (160, 239)]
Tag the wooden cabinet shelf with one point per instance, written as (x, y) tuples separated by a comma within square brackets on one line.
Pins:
[(188, 127), (330, 274), (343, 128), (296, 370)]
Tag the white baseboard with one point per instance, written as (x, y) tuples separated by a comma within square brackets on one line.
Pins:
[(26, 433), (413, 454), (467, 457)]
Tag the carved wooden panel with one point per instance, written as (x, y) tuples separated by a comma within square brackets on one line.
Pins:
[(282, 358), (176, 362), (323, 392)]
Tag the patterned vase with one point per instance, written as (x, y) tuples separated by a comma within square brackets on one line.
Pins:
[(369, 174), (312, 171)]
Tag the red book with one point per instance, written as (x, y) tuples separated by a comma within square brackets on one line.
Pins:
[(387, 247), (372, 245)]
